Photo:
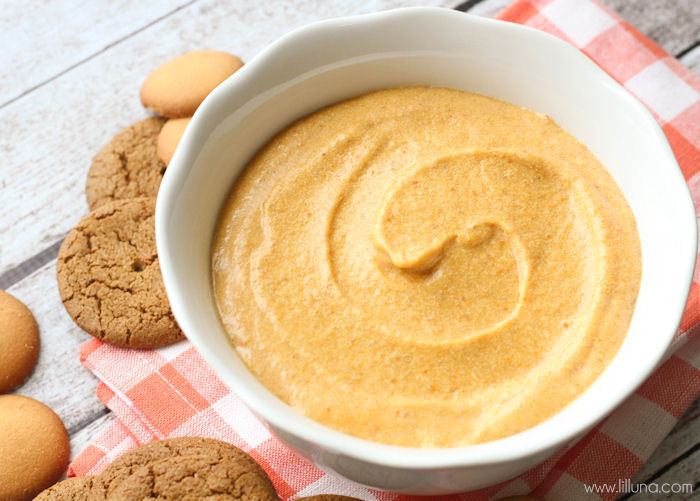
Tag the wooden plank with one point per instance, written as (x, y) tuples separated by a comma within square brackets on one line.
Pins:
[(47, 38), (56, 129), (59, 380)]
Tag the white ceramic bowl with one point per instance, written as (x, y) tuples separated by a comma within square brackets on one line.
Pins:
[(333, 60)]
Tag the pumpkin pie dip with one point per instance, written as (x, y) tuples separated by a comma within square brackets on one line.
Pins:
[(426, 267)]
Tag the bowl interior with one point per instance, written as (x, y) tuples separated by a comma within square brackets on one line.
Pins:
[(338, 59)]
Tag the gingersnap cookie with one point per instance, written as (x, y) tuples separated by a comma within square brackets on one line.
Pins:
[(187, 468), (109, 277), (74, 489), (34, 447), (127, 166), (19, 342), (176, 88), (169, 138)]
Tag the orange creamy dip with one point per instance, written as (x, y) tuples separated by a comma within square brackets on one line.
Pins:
[(426, 267)]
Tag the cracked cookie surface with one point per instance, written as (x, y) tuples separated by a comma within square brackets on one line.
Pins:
[(74, 489), (187, 468), (127, 166), (109, 277)]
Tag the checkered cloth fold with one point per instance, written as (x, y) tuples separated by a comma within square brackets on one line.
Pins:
[(172, 392)]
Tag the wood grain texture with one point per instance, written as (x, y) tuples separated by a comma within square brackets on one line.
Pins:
[(70, 33), (683, 472), (681, 475)]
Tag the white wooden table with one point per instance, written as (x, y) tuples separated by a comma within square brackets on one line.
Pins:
[(70, 72)]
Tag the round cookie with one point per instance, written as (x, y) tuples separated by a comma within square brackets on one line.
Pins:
[(34, 447), (187, 468), (109, 277), (19, 342), (169, 138), (127, 166), (176, 88), (74, 489)]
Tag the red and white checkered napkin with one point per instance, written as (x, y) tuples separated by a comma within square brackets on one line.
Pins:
[(172, 392)]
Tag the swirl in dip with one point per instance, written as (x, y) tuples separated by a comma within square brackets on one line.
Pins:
[(426, 267)]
